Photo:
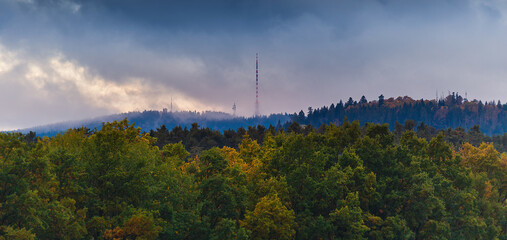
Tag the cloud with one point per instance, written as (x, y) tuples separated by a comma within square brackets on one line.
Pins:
[(7, 60), (65, 5), (495, 10), (56, 84), (132, 94), (76, 58)]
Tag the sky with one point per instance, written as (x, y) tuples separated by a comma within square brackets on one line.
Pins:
[(64, 60)]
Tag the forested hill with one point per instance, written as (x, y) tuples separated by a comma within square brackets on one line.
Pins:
[(452, 111), (150, 120)]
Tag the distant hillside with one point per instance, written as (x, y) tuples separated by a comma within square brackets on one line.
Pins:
[(151, 120), (452, 111)]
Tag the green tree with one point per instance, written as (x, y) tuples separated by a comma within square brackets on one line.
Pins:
[(270, 220), (347, 219)]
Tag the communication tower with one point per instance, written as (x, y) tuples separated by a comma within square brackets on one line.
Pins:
[(257, 112)]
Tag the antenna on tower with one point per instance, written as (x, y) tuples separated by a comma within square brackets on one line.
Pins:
[(234, 109), (257, 113)]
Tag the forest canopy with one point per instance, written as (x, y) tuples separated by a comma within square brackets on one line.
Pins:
[(334, 182)]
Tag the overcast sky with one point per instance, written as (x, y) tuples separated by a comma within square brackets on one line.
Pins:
[(72, 59)]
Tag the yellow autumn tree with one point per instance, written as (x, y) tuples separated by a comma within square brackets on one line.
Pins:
[(16, 233), (233, 158), (249, 149), (270, 220), (140, 226), (250, 153), (485, 159)]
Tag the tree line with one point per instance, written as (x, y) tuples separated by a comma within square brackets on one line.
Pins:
[(452, 111), (197, 138), (334, 182)]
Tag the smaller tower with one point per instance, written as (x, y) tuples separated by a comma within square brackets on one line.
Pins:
[(171, 104), (234, 110)]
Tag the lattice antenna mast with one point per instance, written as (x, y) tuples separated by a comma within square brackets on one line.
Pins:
[(257, 113), (234, 109)]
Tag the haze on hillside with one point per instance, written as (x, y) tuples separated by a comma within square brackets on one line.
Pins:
[(76, 59)]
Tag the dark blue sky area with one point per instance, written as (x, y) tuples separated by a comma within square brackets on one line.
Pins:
[(69, 59)]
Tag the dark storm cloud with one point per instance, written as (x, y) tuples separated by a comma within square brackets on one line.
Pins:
[(202, 53)]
